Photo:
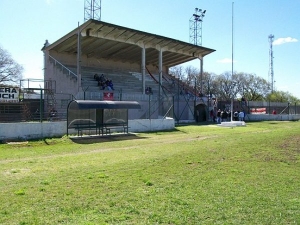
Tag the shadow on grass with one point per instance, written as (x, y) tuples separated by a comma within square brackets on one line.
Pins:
[(87, 139), (204, 123)]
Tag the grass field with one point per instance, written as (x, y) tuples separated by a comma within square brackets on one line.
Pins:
[(192, 175)]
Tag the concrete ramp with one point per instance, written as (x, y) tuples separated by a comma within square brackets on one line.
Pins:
[(232, 124)]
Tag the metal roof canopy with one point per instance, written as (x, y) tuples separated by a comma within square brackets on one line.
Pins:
[(90, 104), (120, 44)]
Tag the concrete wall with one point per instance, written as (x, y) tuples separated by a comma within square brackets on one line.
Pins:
[(270, 117), (32, 130), (36, 130), (151, 125)]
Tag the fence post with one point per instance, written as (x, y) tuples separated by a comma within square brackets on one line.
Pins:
[(149, 105), (41, 106)]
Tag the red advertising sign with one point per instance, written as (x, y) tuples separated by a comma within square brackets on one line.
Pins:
[(108, 96), (258, 110)]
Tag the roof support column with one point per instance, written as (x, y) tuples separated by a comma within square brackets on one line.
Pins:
[(201, 74), (79, 59), (160, 69), (143, 69)]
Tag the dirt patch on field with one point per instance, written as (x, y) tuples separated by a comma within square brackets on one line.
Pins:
[(291, 148)]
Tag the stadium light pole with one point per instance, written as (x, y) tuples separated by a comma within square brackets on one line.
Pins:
[(196, 26)]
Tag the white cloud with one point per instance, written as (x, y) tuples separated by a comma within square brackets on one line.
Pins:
[(281, 41), (225, 60)]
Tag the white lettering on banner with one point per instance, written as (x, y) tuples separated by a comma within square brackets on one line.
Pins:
[(9, 94)]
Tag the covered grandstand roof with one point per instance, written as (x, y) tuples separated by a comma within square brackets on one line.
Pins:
[(117, 43)]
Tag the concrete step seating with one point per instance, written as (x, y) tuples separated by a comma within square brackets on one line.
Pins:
[(128, 82)]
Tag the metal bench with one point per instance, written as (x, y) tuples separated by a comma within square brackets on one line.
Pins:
[(85, 126), (107, 127)]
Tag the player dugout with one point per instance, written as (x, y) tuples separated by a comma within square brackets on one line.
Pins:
[(89, 114)]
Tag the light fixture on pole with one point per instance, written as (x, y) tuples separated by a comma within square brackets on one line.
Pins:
[(196, 27)]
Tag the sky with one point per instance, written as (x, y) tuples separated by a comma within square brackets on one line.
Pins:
[(25, 25)]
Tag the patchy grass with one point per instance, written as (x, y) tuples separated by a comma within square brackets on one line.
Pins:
[(193, 175)]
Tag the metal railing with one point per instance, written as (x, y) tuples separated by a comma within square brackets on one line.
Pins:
[(57, 63)]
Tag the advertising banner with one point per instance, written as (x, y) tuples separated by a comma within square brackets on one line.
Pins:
[(9, 95), (109, 96), (258, 110)]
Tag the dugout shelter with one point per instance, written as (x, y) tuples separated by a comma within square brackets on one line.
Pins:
[(102, 116)]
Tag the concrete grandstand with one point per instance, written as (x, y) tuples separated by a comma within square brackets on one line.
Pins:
[(134, 60)]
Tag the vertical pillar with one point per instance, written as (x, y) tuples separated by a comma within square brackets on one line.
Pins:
[(79, 59), (143, 69), (46, 58), (160, 102), (201, 74), (160, 61)]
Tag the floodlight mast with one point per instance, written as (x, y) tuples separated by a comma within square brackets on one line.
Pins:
[(271, 69), (92, 10), (196, 27)]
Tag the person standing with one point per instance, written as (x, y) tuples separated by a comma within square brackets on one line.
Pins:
[(219, 116), (241, 116)]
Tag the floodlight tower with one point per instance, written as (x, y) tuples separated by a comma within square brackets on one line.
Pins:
[(92, 10), (271, 71), (196, 27)]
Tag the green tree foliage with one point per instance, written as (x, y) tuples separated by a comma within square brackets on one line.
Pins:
[(10, 70), (281, 96), (252, 87), (227, 85)]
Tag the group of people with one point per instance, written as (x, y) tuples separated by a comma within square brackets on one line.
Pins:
[(239, 116), (224, 116), (103, 82)]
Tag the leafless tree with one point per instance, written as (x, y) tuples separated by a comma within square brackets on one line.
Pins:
[(178, 72), (10, 70)]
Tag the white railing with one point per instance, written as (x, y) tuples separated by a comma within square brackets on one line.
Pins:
[(57, 63)]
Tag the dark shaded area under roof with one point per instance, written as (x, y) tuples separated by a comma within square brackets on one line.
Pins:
[(107, 41), (90, 104)]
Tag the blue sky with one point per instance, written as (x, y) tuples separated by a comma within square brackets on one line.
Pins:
[(25, 25)]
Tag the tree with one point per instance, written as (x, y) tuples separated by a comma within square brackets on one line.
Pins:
[(252, 87), (226, 86), (10, 70), (177, 71), (281, 96)]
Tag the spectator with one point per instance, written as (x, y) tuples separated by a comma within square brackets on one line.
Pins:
[(224, 116), (229, 115), (102, 78), (52, 114), (274, 112), (241, 116), (236, 116), (149, 91), (102, 85), (219, 116), (110, 85)]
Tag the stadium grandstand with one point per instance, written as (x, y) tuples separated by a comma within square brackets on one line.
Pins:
[(136, 62)]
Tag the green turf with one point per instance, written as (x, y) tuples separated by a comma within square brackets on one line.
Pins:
[(192, 175)]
